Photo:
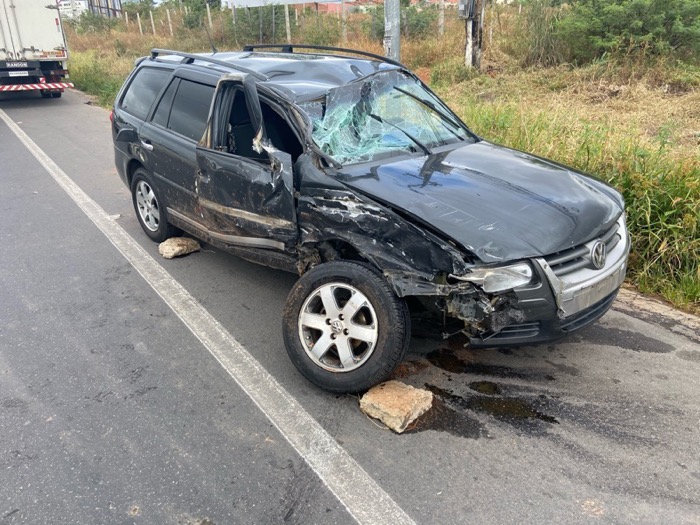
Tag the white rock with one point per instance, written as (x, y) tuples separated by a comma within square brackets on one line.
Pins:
[(396, 404), (176, 246)]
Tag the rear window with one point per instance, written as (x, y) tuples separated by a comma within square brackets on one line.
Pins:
[(143, 90), (190, 110)]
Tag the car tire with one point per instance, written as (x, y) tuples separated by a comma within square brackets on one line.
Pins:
[(329, 305), (149, 208)]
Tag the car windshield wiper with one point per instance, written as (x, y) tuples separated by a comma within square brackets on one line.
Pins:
[(433, 107), (413, 139)]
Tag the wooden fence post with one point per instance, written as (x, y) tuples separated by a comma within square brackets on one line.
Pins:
[(170, 22), (286, 23)]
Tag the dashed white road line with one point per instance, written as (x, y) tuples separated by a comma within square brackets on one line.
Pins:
[(364, 499)]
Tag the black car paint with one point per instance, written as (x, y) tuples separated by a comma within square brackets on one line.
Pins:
[(499, 204), (243, 197), (418, 219)]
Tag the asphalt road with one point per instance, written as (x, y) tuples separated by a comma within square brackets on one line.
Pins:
[(113, 410)]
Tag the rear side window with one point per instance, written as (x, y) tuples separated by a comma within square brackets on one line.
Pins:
[(143, 90), (190, 109), (162, 112)]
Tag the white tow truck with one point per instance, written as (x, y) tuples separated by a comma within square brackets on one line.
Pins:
[(33, 50)]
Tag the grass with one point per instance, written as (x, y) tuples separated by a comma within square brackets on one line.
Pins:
[(633, 124)]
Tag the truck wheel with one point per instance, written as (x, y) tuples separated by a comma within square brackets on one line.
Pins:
[(344, 328), (149, 207), (56, 94)]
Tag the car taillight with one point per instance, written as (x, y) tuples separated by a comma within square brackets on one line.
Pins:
[(111, 115)]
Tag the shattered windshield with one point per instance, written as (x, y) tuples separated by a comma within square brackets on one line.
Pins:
[(387, 113)]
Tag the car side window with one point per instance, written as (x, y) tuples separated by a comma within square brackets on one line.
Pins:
[(240, 132), (142, 91), (162, 112), (190, 109)]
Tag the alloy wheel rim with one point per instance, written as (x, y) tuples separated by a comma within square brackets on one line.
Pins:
[(147, 205), (338, 327)]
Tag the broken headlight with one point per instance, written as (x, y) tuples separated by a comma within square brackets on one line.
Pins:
[(499, 278)]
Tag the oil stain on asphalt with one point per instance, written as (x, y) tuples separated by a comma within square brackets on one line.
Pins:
[(448, 361), (456, 414), (443, 418), (509, 409)]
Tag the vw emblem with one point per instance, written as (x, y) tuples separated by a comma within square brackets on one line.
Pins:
[(598, 253), (336, 327)]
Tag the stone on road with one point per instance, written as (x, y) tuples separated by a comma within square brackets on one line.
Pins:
[(396, 404), (177, 246)]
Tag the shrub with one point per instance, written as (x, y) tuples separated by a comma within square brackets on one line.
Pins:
[(323, 31), (89, 22), (592, 28), (417, 21)]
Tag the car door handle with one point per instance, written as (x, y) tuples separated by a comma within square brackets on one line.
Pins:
[(146, 144)]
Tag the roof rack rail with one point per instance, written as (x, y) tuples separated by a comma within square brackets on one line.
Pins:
[(190, 57), (289, 48)]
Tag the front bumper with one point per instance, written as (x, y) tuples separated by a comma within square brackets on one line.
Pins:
[(546, 329), (557, 305)]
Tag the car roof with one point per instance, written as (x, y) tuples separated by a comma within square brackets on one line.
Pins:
[(300, 76)]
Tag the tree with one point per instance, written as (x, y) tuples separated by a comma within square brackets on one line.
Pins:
[(142, 7)]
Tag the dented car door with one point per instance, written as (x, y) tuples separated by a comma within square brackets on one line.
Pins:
[(244, 185)]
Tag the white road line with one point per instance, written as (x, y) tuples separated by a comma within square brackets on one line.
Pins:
[(364, 499)]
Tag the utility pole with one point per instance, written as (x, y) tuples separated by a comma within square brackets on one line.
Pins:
[(344, 22), (482, 17), (441, 19), (472, 11), (286, 24), (392, 29)]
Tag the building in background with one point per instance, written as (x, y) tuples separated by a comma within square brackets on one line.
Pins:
[(70, 9), (108, 8)]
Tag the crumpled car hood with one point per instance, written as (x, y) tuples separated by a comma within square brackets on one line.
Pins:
[(498, 203)]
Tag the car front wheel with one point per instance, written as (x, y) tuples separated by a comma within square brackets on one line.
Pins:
[(149, 209), (344, 328)]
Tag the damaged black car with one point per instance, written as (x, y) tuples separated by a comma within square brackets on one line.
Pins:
[(344, 168)]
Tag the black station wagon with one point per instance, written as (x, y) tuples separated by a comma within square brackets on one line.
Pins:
[(343, 167)]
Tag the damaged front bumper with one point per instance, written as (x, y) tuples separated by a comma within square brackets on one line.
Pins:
[(550, 306)]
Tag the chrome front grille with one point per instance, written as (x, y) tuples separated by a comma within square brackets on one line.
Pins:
[(578, 257), (576, 282)]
